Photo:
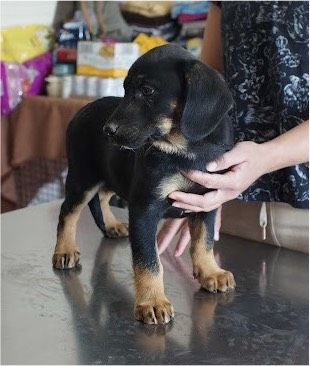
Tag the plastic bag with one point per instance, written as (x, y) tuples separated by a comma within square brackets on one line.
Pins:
[(146, 42), (18, 80), (23, 43), (14, 84)]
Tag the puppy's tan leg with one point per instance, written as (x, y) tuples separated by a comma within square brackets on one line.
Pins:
[(67, 254), (205, 269), (113, 228), (151, 305)]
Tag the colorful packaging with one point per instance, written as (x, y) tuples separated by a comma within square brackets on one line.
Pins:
[(18, 80), (23, 43), (91, 86), (63, 69), (13, 85), (106, 59), (146, 42), (37, 69), (65, 55), (71, 33)]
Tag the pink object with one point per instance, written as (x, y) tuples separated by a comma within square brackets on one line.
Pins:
[(4, 91), (183, 18), (22, 79), (13, 77), (107, 39), (37, 69)]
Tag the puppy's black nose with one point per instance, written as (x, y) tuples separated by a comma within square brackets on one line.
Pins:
[(110, 129)]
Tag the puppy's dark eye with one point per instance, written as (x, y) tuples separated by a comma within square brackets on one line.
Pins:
[(147, 90)]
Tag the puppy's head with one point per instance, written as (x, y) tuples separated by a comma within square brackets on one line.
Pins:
[(170, 97)]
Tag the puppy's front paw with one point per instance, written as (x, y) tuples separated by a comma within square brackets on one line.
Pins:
[(157, 311), (117, 230), (220, 280), (65, 259)]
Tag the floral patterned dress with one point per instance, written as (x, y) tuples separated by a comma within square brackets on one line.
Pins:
[(266, 48)]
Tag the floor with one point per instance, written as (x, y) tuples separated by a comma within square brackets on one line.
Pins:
[(84, 316)]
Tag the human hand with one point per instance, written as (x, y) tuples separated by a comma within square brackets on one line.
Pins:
[(180, 228), (170, 229), (246, 162)]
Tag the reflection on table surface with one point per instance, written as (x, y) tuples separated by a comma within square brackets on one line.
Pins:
[(85, 315)]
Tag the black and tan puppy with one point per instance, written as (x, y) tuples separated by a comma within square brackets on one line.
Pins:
[(173, 117)]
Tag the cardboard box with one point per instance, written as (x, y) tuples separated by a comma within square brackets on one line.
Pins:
[(106, 59)]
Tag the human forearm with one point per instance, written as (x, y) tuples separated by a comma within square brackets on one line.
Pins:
[(100, 15), (288, 149), (86, 16), (211, 52)]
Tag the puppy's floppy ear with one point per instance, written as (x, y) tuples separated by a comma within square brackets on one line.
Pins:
[(207, 100)]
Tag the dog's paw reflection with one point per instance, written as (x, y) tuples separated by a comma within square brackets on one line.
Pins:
[(152, 338)]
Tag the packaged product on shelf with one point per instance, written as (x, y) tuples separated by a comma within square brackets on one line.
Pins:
[(65, 55), (66, 42), (111, 87), (25, 62), (146, 43), (23, 43), (63, 69), (54, 86), (91, 86), (79, 85), (37, 69), (67, 86), (18, 80), (106, 59), (71, 33), (13, 85)]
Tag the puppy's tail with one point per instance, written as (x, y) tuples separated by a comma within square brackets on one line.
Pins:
[(95, 209)]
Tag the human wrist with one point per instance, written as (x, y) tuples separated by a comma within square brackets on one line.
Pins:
[(288, 149), (264, 152), (274, 156)]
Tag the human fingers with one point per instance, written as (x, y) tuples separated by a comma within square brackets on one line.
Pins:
[(228, 180), (233, 157), (217, 224), (167, 233), (207, 202), (190, 199), (188, 208), (183, 241)]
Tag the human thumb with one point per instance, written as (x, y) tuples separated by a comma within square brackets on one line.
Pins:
[(230, 158)]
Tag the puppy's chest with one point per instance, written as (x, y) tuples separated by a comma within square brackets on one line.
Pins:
[(177, 182)]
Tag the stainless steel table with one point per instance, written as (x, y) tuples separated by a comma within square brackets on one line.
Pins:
[(85, 316)]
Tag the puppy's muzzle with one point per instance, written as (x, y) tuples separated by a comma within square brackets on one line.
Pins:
[(122, 135)]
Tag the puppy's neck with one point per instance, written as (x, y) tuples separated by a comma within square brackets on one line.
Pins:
[(174, 143)]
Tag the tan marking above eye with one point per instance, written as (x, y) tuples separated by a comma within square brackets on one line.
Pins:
[(176, 182), (165, 125), (173, 104)]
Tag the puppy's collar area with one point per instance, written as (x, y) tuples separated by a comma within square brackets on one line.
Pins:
[(167, 147)]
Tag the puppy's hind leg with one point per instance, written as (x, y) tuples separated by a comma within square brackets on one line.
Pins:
[(67, 254), (95, 209), (113, 228)]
